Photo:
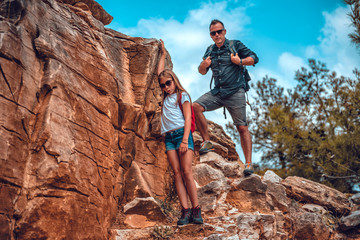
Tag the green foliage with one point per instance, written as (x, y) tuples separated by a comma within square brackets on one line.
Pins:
[(171, 200), (162, 232), (167, 207), (312, 130), (355, 20)]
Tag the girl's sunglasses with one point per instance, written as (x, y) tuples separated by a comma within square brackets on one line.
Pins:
[(216, 32), (167, 83)]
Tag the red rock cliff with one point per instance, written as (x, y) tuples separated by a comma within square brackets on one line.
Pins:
[(78, 120)]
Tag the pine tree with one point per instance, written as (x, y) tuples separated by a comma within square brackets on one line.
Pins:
[(355, 19), (311, 130)]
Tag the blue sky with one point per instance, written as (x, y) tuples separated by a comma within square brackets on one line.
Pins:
[(284, 34)]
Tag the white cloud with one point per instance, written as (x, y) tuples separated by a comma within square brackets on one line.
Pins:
[(312, 52), (289, 64), (187, 41), (336, 30), (259, 73), (335, 47)]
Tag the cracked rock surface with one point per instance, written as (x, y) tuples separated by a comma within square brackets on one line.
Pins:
[(79, 108)]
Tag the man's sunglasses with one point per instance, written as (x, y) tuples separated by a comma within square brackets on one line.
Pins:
[(167, 83), (213, 33)]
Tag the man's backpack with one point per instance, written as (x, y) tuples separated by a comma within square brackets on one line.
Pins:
[(242, 68), (192, 114)]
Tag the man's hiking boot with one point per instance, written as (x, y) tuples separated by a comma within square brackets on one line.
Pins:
[(248, 169), (196, 216), (205, 147), (185, 216)]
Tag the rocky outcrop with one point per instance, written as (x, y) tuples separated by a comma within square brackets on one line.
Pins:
[(254, 207), (307, 191), (81, 155), (79, 120), (91, 7)]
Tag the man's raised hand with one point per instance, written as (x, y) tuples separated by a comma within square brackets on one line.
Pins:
[(207, 62), (235, 58)]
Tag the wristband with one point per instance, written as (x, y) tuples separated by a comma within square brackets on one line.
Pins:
[(184, 142), (240, 62)]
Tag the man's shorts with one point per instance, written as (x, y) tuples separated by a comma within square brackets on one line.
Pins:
[(235, 104), (174, 138)]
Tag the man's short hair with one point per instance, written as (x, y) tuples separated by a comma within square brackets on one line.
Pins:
[(215, 21)]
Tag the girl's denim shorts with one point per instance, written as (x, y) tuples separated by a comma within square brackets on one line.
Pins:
[(174, 138)]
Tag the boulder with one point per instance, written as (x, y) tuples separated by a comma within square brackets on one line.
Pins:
[(355, 198), (307, 191), (221, 237), (314, 208), (272, 177), (249, 195), (204, 174), (252, 183), (209, 194), (223, 144), (277, 193), (231, 169), (351, 221), (309, 225), (92, 6), (256, 226), (147, 207), (131, 234)]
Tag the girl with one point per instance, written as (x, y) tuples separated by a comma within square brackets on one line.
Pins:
[(176, 124)]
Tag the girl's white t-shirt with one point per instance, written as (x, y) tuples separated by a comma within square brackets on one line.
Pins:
[(172, 117)]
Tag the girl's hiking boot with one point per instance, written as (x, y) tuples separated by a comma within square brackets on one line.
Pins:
[(185, 216), (205, 147), (248, 170), (196, 216)]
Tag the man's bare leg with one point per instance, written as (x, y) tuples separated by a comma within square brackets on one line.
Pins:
[(246, 145), (200, 121), (202, 127)]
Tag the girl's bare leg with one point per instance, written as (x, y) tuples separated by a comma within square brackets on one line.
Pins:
[(179, 183), (186, 168)]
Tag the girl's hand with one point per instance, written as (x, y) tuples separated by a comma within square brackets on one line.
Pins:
[(162, 47), (183, 147), (161, 65)]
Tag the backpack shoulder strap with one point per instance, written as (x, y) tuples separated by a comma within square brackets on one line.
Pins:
[(209, 50), (231, 47), (179, 102), (233, 51)]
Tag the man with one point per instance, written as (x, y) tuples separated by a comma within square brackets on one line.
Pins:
[(229, 90)]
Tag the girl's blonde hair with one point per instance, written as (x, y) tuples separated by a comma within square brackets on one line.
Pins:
[(178, 87)]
